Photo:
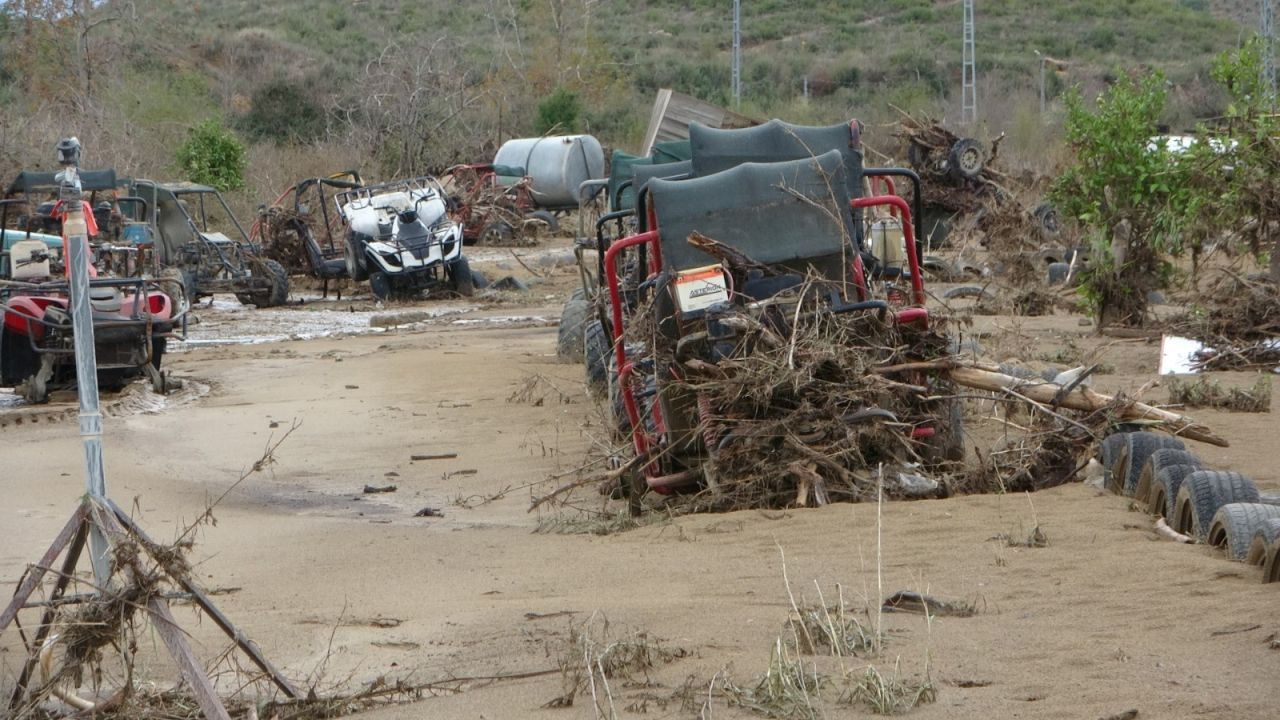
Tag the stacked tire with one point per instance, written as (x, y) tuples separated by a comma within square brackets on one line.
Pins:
[(1218, 508)]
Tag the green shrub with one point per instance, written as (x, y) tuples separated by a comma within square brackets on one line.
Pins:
[(283, 112), (212, 155), (558, 112)]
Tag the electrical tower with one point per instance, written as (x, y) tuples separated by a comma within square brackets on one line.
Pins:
[(1268, 49), (737, 53), (968, 81)]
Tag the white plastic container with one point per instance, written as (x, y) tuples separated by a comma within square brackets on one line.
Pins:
[(557, 164), (888, 243)]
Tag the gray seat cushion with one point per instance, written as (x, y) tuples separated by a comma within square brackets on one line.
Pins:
[(715, 150), (786, 213)]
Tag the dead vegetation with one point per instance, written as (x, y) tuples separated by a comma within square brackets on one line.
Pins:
[(1238, 320), (593, 655), (1206, 393)]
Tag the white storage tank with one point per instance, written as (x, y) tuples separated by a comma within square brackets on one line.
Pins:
[(558, 164)]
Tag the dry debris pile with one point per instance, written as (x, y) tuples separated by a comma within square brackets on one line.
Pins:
[(283, 236), (962, 181), (1239, 324)]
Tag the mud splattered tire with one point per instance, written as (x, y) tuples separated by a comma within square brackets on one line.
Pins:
[(278, 294), (379, 285), (498, 232), (573, 320), (1058, 272), (966, 159), (1266, 535), (1235, 524), (1108, 451), (461, 279), (354, 255), (1046, 217), (595, 355), (1163, 494), (1159, 460), (1201, 495), (1271, 563), (546, 218), (1138, 447)]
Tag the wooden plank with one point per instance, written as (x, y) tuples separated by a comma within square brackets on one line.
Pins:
[(655, 119), (36, 573), (174, 639), (673, 112), (222, 621)]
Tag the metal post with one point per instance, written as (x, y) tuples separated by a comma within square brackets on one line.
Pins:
[(969, 79), (737, 53), (1042, 99), (75, 241), (1268, 33)]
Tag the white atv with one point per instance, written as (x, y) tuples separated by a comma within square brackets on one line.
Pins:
[(401, 239)]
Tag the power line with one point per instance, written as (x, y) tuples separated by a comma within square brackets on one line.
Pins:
[(968, 81)]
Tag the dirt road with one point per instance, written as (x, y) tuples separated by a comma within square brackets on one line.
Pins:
[(342, 588)]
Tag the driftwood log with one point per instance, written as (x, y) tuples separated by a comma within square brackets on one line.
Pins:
[(983, 377)]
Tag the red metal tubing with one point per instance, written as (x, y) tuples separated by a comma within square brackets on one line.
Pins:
[(909, 234), (619, 348)]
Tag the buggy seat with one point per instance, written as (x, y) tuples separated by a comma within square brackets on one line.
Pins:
[(783, 213)]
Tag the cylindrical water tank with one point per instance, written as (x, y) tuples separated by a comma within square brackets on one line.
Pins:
[(557, 164)]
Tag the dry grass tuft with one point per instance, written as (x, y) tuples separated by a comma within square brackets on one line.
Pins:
[(1206, 393)]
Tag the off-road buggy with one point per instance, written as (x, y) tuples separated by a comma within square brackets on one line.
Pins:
[(739, 256), (195, 236), (401, 239), (133, 317), (303, 232)]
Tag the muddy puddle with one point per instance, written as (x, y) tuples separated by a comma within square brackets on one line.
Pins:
[(137, 398), (227, 322)]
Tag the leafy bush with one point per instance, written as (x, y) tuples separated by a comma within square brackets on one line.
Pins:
[(558, 112), (283, 112), (212, 155)]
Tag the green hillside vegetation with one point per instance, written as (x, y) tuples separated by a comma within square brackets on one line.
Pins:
[(393, 87)]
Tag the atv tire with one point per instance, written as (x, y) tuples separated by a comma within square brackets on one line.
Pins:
[(1203, 493), (966, 159), (1138, 447), (547, 218), (274, 296), (1159, 460), (353, 253), (1108, 451), (496, 233), (595, 355), (461, 279), (573, 320), (1235, 524), (1047, 222), (1264, 536), (379, 285)]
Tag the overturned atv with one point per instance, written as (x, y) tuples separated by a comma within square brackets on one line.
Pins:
[(401, 239)]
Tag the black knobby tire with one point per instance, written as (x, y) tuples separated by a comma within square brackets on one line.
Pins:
[(548, 218), (596, 347), (1046, 217), (1234, 525), (1162, 498), (966, 159), (379, 285), (1264, 536), (1160, 459), (278, 293), (1202, 493), (496, 232), (461, 279), (1058, 272), (947, 443), (573, 320), (354, 255), (1138, 447)]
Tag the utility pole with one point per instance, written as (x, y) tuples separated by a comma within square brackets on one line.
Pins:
[(737, 53), (1268, 33), (968, 82)]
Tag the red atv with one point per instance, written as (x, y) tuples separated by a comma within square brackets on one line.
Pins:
[(133, 317)]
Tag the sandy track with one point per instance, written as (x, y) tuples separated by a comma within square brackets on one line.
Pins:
[(1104, 619)]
